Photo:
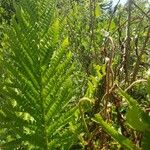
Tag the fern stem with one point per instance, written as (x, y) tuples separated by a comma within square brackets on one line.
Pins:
[(43, 110), (81, 101)]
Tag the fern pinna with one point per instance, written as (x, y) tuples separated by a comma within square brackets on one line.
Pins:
[(37, 85)]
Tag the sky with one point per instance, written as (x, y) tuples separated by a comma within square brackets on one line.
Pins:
[(121, 1)]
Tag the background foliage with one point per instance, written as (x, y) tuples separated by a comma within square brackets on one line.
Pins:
[(74, 74)]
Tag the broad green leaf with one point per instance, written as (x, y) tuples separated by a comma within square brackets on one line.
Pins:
[(148, 86), (135, 116), (135, 120), (97, 11), (145, 141), (125, 142)]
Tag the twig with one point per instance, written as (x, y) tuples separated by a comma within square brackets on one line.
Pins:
[(127, 48), (135, 82), (112, 15), (141, 10), (122, 25), (109, 74), (136, 68)]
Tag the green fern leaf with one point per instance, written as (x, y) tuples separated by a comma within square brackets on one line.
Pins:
[(38, 88)]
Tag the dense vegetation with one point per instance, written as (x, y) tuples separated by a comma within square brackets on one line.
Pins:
[(74, 75)]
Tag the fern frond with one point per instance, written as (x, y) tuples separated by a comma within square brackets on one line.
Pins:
[(39, 84)]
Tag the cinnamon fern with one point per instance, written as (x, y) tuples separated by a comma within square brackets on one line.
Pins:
[(37, 86)]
